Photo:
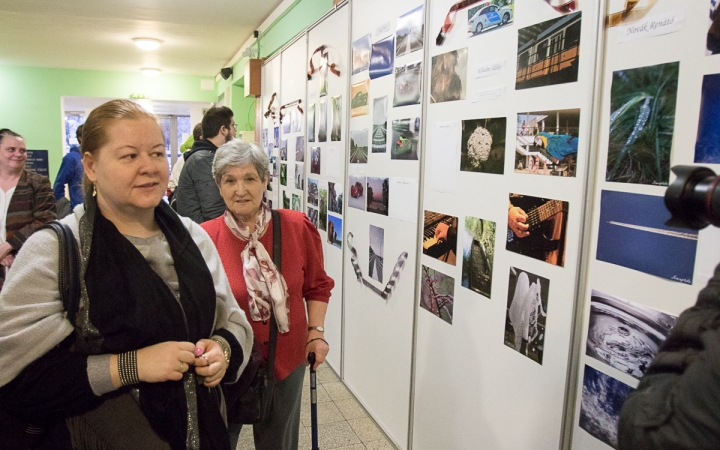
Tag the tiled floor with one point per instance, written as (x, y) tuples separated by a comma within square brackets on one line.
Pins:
[(342, 422)]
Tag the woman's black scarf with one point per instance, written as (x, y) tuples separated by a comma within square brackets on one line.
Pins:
[(130, 307)]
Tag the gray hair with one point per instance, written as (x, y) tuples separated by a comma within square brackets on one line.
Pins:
[(239, 153)]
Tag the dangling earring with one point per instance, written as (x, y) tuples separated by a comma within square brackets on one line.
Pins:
[(94, 190)]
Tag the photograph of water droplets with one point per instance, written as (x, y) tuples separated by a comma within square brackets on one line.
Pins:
[(625, 335), (483, 145)]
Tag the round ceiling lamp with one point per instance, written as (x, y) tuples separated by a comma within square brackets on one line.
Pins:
[(149, 72), (147, 43)]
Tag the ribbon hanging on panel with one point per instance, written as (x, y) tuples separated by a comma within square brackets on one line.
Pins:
[(324, 61), (562, 6), (619, 17), (387, 292), (450, 18), (290, 105), (270, 113)]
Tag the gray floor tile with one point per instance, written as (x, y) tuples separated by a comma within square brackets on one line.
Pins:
[(336, 435), (382, 444), (327, 413), (322, 395), (366, 429), (305, 441), (337, 391), (351, 409), (325, 374), (353, 447)]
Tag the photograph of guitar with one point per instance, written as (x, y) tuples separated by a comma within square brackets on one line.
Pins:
[(537, 228)]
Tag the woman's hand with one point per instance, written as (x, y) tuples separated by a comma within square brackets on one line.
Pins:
[(210, 361), (5, 250), (7, 261), (317, 346), (167, 361)]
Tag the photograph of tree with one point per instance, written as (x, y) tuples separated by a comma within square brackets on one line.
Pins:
[(335, 197), (315, 160), (483, 145), (283, 150), (437, 293), (299, 149), (547, 142), (448, 76), (359, 146), (336, 131), (296, 203), (283, 174), (375, 255), (312, 192), (286, 200), (478, 255), (299, 176), (312, 215), (323, 209), (378, 195), (406, 136), (379, 130), (526, 313)]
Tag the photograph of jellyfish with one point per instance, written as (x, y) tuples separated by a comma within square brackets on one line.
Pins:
[(286, 200), (405, 139), (602, 399), (707, 145), (323, 209), (526, 313), (299, 149), (642, 124), (335, 197), (336, 130), (410, 31), (361, 54), (322, 121), (283, 150), (359, 146), (547, 142), (299, 176), (408, 84), (357, 192), (379, 130), (487, 17), (313, 196), (478, 255), (311, 123), (359, 102), (378, 195), (625, 335), (549, 52), (537, 227), (375, 253), (315, 160), (283, 174), (483, 145), (296, 203), (382, 57), (448, 76), (334, 231), (440, 236), (712, 43), (437, 293)]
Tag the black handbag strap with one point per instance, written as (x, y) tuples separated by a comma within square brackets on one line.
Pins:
[(277, 259), (69, 267)]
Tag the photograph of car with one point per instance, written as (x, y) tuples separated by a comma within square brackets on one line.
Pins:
[(488, 16)]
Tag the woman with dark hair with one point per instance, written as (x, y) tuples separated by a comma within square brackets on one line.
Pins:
[(26, 198), (157, 327)]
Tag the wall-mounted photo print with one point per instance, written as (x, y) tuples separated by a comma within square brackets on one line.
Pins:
[(382, 57), (359, 102), (707, 145), (276, 136), (264, 137), (405, 139), (313, 194), (486, 17), (526, 313), (312, 215), (299, 176), (311, 123), (286, 200), (283, 174), (602, 399), (642, 123), (361, 54), (357, 192), (336, 131), (359, 146), (315, 160), (322, 120), (437, 293), (410, 31), (334, 231), (283, 150), (375, 253), (712, 45), (335, 197), (378, 195), (296, 203), (478, 255), (286, 124), (299, 149), (448, 77), (408, 84), (549, 52), (440, 236), (295, 120), (322, 224), (633, 234), (379, 130), (537, 227), (483, 145), (547, 142), (625, 335)]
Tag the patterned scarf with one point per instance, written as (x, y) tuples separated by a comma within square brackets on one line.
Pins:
[(265, 284)]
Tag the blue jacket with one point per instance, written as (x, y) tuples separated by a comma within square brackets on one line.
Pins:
[(70, 173)]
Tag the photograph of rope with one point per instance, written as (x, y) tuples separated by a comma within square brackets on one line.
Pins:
[(322, 120), (334, 231), (359, 99), (299, 149), (410, 31), (406, 138), (357, 192), (537, 227), (296, 204), (408, 82), (448, 76), (437, 293), (483, 145), (642, 124), (311, 123), (440, 236), (335, 197), (602, 399), (478, 255), (382, 57), (286, 200), (378, 195), (336, 131), (526, 313), (375, 255), (359, 146), (361, 54), (322, 224), (283, 174), (312, 192), (379, 130), (707, 145), (546, 142), (299, 176)]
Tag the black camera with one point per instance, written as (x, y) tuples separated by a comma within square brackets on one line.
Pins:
[(694, 198)]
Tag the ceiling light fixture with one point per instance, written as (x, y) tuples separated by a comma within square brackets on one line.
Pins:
[(148, 72), (147, 43)]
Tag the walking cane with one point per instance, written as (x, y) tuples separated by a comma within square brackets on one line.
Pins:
[(313, 402)]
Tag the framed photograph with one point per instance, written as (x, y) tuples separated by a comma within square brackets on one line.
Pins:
[(448, 76), (537, 227), (483, 145), (440, 236), (547, 142), (437, 293), (478, 255)]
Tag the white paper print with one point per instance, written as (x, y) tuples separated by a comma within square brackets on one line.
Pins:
[(445, 156), (405, 194), (489, 68), (667, 23)]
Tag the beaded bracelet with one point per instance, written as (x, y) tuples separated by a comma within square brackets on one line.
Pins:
[(317, 339), (128, 368)]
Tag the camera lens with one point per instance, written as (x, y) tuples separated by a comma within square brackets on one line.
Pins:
[(693, 199)]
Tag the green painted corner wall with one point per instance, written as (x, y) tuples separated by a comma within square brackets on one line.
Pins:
[(244, 109), (31, 96)]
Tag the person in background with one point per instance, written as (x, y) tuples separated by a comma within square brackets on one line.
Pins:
[(197, 194), (71, 173), (243, 236), (180, 163), (26, 199), (157, 327)]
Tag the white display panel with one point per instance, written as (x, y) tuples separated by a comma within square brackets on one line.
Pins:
[(271, 99), (473, 386)]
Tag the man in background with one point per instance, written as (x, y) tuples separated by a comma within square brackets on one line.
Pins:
[(71, 173), (180, 163)]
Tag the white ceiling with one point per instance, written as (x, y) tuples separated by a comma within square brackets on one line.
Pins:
[(199, 36)]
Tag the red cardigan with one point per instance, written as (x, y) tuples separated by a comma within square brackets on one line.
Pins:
[(304, 272)]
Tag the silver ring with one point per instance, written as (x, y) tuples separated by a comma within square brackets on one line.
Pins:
[(205, 358), (183, 367)]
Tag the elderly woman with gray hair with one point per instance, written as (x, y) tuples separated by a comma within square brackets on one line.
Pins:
[(243, 236)]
